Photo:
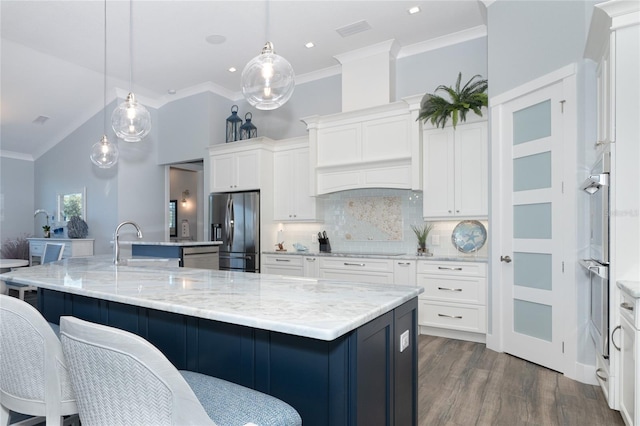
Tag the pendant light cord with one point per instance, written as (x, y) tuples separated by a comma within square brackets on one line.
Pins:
[(131, 46), (104, 88), (268, 26)]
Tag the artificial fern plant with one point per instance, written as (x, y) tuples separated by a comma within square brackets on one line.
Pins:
[(473, 96)]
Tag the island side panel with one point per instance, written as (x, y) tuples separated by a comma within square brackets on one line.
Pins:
[(330, 383)]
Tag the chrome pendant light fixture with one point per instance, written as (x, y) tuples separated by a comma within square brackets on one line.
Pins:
[(104, 154), (130, 120), (268, 79)]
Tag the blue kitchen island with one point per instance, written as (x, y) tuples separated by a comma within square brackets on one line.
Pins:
[(340, 353)]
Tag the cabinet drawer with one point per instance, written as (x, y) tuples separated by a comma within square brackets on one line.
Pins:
[(283, 260), (475, 269), (629, 309), (356, 264), (36, 248), (469, 318), (369, 277), (453, 289)]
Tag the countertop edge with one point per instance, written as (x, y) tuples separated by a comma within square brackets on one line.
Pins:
[(632, 288), (380, 256)]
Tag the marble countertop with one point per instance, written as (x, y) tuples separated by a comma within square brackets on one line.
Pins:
[(315, 308), (399, 256), (632, 288), (172, 243)]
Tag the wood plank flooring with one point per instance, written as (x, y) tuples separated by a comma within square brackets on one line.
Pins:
[(463, 383)]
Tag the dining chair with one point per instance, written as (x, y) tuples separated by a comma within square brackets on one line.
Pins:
[(121, 379), (34, 380), (52, 252)]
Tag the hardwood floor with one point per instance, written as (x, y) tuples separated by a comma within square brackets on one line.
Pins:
[(463, 383)]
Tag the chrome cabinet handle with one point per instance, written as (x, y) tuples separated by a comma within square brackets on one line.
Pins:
[(450, 316), (449, 289), (404, 263), (310, 259), (599, 371), (627, 306), (354, 264), (505, 259), (449, 268), (283, 260), (613, 342)]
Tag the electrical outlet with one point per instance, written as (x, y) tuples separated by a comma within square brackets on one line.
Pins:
[(404, 340), (314, 238), (435, 240)]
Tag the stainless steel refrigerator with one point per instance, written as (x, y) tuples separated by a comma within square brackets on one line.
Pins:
[(234, 219)]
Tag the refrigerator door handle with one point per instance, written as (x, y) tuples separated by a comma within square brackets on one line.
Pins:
[(227, 223), (232, 218)]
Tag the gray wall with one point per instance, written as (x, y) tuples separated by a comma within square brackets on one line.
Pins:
[(424, 72), (16, 199), (531, 38)]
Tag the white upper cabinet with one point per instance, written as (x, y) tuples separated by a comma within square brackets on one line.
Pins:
[(239, 166), (291, 190), (374, 148), (455, 171)]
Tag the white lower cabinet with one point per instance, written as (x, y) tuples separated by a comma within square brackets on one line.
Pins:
[(454, 299), (629, 369), (73, 247), (367, 270), (310, 266), (282, 265), (404, 272)]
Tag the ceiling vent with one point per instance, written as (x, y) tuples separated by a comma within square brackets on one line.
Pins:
[(355, 28), (40, 119)]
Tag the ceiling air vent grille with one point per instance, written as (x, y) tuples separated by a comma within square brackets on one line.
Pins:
[(355, 28), (40, 119)]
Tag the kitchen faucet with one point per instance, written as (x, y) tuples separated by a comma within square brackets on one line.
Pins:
[(37, 212), (116, 256)]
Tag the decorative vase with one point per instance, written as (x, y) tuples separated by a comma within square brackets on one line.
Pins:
[(47, 234)]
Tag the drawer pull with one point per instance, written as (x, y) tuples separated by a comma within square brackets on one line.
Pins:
[(447, 268), (310, 259), (283, 260), (450, 316), (354, 264), (627, 306), (613, 342), (599, 371), (449, 289)]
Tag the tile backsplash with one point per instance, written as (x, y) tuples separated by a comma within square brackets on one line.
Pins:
[(373, 221)]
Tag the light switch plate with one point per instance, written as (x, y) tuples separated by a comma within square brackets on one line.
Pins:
[(404, 341)]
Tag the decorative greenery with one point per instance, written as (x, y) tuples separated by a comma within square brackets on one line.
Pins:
[(473, 96), (46, 228), (422, 232), (15, 248)]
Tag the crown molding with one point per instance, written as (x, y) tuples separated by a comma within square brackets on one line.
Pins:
[(15, 155), (444, 41)]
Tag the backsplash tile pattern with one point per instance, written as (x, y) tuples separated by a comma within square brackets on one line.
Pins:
[(392, 209)]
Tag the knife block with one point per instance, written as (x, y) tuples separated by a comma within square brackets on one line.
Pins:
[(325, 246)]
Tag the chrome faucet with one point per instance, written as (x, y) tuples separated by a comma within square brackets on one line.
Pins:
[(116, 256), (37, 212)]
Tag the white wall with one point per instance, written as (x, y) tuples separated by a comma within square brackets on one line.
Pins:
[(16, 199)]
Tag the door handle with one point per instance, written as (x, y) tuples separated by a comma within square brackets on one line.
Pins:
[(505, 259), (613, 342)]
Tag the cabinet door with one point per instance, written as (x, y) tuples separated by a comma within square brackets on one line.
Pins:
[(223, 169), (628, 372), (471, 175), (283, 186), (438, 173), (247, 170), (404, 272), (310, 266)]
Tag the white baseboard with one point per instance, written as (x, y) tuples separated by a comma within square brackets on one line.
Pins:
[(452, 334)]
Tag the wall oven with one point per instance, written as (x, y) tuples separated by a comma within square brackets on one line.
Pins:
[(598, 188)]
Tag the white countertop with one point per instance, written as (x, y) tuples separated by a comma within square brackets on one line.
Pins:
[(399, 256), (319, 309), (632, 288)]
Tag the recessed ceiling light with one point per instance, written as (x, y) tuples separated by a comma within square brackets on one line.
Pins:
[(414, 9), (215, 39), (232, 69), (171, 91), (309, 45)]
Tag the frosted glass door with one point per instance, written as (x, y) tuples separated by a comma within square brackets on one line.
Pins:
[(532, 274)]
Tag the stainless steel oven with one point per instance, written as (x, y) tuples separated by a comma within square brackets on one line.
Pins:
[(597, 187)]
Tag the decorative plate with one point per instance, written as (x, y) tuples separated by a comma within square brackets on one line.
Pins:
[(469, 236)]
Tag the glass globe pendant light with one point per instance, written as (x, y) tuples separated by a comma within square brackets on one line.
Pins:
[(130, 120), (104, 154), (268, 79)]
